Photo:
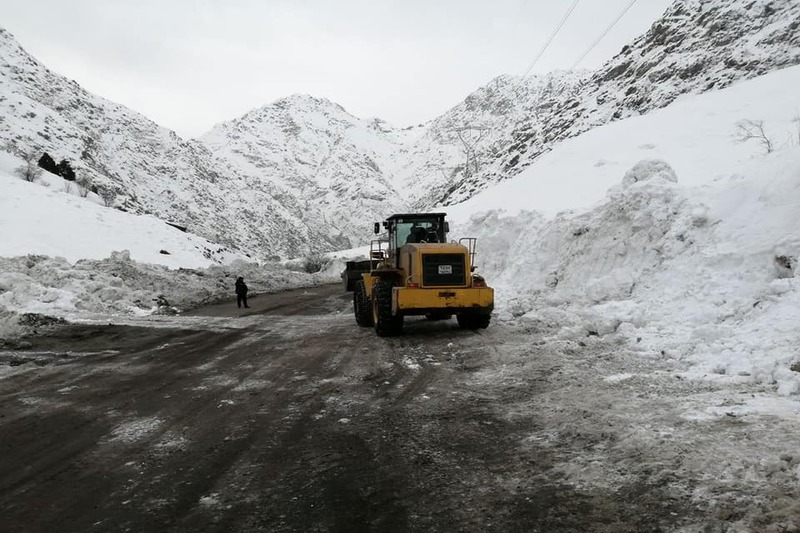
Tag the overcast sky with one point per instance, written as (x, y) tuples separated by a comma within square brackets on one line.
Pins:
[(188, 64)]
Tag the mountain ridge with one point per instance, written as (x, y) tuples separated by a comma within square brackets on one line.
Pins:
[(302, 174)]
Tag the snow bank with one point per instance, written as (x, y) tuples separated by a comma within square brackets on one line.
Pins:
[(706, 276), (663, 230), (118, 285)]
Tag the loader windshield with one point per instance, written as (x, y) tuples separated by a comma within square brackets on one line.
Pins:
[(417, 231)]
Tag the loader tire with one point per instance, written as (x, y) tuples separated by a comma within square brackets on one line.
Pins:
[(386, 324), (362, 307), (473, 321)]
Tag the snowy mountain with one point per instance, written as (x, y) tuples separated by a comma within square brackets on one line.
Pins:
[(297, 175), (457, 144), (337, 166), (302, 174), (350, 171), (500, 128), (151, 169), (696, 46)]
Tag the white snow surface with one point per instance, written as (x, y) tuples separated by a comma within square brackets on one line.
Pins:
[(665, 231), (48, 217)]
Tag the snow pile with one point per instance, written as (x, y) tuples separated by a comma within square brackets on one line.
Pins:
[(702, 275), (118, 285)]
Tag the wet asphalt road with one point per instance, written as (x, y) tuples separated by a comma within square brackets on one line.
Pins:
[(282, 417)]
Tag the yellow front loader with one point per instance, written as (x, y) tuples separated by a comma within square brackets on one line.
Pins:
[(417, 272)]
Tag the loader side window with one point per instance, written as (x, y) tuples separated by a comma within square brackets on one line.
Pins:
[(403, 231)]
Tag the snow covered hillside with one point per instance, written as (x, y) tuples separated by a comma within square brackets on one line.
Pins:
[(149, 167), (697, 46), (66, 255), (49, 217), (457, 144), (697, 135), (690, 258)]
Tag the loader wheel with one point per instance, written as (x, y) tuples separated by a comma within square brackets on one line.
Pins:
[(361, 305), (473, 321), (386, 324)]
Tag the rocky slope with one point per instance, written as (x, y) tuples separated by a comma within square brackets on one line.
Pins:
[(353, 171), (339, 167), (459, 146), (696, 46)]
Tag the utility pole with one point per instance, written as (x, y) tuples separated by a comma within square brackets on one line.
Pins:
[(470, 136)]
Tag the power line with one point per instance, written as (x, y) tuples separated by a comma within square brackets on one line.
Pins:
[(605, 32), (552, 36), (545, 46)]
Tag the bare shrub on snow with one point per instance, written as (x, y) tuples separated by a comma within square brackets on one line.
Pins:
[(12, 148), (753, 129), (313, 263), (108, 195), (30, 170), (68, 187), (784, 266), (84, 186)]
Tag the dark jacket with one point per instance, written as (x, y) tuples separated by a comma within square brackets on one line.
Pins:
[(241, 287)]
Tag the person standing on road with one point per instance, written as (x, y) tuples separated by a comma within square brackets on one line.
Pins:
[(241, 292)]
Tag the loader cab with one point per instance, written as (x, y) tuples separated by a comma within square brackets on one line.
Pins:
[(417, 228)]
